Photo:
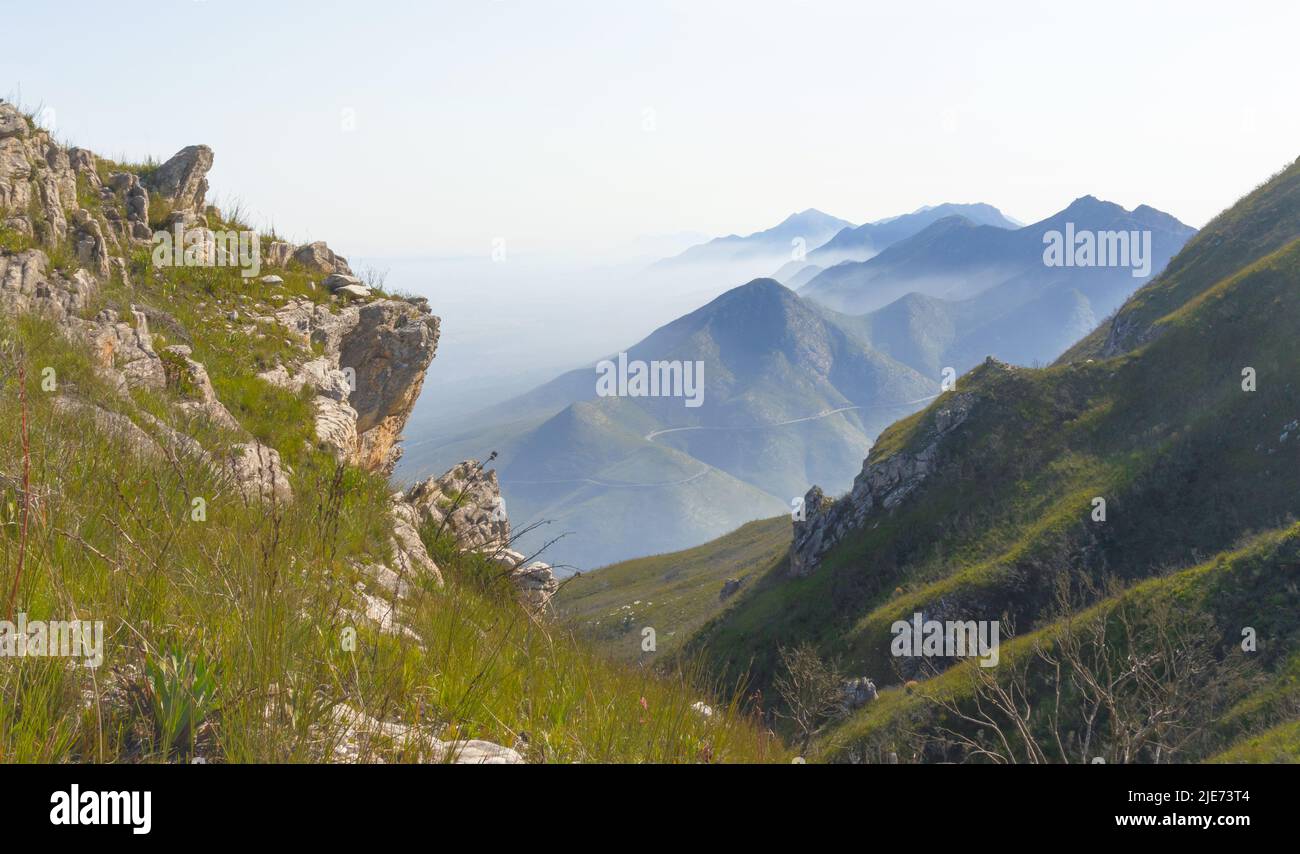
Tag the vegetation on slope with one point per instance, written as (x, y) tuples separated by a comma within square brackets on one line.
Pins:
[(228, 634), (1190, 461), (674, 594)]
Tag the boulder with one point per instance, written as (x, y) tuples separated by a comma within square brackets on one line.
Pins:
[(182, 180), (353, 292), (334, 281), (729, 588), (257, 473), (319, 258), (466, 502)]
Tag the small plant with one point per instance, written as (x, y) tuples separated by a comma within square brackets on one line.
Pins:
[(181, 694)]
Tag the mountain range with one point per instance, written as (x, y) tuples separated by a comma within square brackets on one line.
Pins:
[(1128, 509), (791, 395), (810, 227), (794, 391), (859, 243)]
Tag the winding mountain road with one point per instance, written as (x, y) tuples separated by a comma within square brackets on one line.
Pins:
[(650, 437)]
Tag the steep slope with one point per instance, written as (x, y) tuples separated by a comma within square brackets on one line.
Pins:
[(1260, 223), (982, 506), (194, 470)]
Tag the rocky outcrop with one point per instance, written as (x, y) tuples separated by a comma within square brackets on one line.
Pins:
[(182, 181), (534, 581), (38, 185), (123, 351), (410, 558), (256, 471), (319, 258), (390, 349), (190, 381), (466, 503), (858, 692), (372, 369), (878, 488)]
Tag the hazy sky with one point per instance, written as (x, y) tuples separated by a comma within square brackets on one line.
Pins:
[(567, 125)]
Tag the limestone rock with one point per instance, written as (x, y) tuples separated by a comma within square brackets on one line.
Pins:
[(256, 471), (388, 345), (182, 180), (357, 735), (467, 502), (125, 350), (277, 253), (353, 292), (389, 349), (536, 584), (410, 557), (12, 122), (879, 487), (319, 258), (334, 281), (190, 380)]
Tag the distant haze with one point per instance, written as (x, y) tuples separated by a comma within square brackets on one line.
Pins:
[(580, 126)]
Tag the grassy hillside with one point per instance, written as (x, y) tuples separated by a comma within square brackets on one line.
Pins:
[(254, 632), (260, 601), (672, 593)]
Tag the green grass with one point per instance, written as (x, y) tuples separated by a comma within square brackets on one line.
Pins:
[(1255, 586), (1190, 466), (225, 638), (672, 593), (1280, 745)]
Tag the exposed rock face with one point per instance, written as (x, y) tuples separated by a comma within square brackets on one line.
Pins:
[(385, 346), (467, 500), (38, 185), (319, 258), (410, 557), (123, 350), (190, 380), (534, 582), (858, 692), (878, 488), (467, 503), (390, 349), (25, 287), (182, 180), (256, 471)]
